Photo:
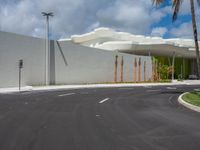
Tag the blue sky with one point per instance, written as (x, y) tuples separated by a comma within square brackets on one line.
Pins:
[(82, 16)]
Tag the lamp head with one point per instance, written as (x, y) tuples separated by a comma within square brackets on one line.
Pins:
[(48, 14)]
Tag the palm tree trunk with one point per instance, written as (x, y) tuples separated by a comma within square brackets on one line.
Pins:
[(195, 37)]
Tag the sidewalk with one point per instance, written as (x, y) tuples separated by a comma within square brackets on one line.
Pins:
[(57, 87)]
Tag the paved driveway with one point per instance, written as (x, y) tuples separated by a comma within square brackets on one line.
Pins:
[(126, 118)]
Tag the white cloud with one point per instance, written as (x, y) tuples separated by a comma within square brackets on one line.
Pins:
[(185, 8), (159, 31), (131, 15), (182, 31), (79, 16), (93, 26)]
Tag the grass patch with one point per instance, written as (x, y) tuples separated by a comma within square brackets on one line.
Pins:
[(192, 98)]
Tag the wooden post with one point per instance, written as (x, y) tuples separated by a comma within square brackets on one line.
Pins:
[(173, 63), (135, 70), (152, 77), (144, 71), (139, 71), (115, 72), (122, 69)]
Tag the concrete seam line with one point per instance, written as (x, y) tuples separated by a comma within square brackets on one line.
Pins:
[(186, 104)]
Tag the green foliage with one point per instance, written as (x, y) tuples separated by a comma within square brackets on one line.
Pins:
[(164, 71), (182, 66)]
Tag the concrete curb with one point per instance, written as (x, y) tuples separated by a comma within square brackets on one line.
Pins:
[(186, 104), (15, 89), (87, 86)]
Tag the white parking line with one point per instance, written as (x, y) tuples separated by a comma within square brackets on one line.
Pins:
[(67, 94), (153, 90), (171, 88), (197, 90), (170, 100), (147, 86), (104, 100), (125, 88)]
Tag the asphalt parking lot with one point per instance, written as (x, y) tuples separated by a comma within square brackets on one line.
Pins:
[(126, 118)]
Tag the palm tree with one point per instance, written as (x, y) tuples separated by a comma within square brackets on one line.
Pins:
[(176, 6)]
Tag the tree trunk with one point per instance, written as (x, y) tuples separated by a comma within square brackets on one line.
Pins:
[(135, 70), (195, 36), (139, 71), (144, 71), (122, 70)]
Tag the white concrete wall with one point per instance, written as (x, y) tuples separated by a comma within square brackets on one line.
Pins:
[(14, 47), (84, 64), (89, 65)]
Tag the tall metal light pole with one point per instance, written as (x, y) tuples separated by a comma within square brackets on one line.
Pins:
[(47, 53)]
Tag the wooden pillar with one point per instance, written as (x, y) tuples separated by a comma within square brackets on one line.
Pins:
[(173, 63), (144, 71), (135, 70), (122, 69), (139, 71), (115, 72), (152, 77)]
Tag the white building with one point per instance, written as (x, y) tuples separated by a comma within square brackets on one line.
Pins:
[(108, 39), (95, 57), (179, 53), (70, 63)]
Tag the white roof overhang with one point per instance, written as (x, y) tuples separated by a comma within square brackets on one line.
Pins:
[(108, 39), (159, 49)]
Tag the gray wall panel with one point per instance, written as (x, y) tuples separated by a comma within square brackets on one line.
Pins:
[(14, 47), (70, 63)]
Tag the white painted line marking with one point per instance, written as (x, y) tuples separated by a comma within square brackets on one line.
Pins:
[(68, 94), (125, 88), (153, 90), (104, 100), (170, 100), (197, 90), (170, 97), (171, 88)]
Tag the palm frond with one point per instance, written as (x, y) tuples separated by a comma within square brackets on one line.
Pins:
[(198, 2), (157, 2), (176, 6)]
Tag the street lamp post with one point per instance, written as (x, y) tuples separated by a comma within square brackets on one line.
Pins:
[(47, 53)]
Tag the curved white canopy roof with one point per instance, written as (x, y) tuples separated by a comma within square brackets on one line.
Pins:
[(108, 39)]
